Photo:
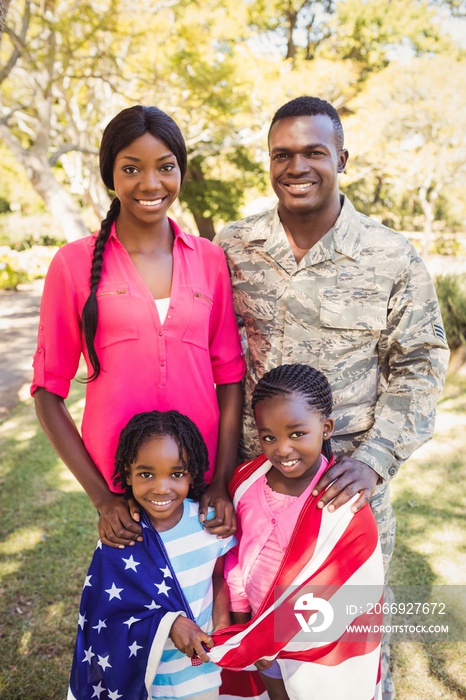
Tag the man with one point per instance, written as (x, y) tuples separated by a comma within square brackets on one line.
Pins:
[(314, 281)]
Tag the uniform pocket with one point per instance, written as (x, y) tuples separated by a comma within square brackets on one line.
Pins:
[(363, 309), (116, 315), (197, 330)]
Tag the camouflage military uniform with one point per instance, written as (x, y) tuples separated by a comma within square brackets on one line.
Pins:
[(360, 306)]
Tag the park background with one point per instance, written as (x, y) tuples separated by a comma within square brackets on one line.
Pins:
[(396, 72)]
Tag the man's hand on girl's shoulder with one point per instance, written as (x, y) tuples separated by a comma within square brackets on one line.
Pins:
[(349, 476)]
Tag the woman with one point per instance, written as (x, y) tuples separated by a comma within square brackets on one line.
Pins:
[(150, 308)]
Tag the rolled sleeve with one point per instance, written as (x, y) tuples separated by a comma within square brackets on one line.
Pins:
[(56, 359)]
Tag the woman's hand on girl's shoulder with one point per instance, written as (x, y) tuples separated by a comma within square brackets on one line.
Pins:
[(119, 522), (223, 524)]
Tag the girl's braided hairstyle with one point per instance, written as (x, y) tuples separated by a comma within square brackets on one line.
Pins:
[(144, 426), (121, 131), (300, 379)]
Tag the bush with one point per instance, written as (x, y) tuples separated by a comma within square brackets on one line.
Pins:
[(11, 272), (451, 292), (18, 267)]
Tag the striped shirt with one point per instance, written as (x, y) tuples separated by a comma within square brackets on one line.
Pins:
[(193, 553)]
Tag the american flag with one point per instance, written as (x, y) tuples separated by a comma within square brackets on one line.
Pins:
[(331, 551), (129, 602)]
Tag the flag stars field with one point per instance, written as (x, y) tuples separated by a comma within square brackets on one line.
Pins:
[(131, 621), (98, 690), (88, 654), (163, 588), (114, 592), (131, 564), (104, 662), (134, 648), (99, 625)]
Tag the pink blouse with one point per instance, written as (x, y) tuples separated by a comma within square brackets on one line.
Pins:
[(146, 365)]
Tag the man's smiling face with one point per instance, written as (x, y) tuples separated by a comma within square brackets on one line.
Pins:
[(304, 164)]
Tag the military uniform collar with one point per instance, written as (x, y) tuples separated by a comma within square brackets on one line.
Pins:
[(342, 238)]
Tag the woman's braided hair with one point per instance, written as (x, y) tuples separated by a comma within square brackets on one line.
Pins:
[(120, 132), (300, 379), (144, 426)]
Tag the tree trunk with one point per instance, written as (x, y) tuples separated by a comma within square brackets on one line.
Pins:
[(3, 11), (58, 201), (292, 18), (204, 226), (428, 210)]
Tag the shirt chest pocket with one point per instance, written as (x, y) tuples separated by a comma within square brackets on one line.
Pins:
[(198, 318), (363, 309), (116, 321)]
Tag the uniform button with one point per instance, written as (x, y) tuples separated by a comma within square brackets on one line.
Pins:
[(168, 316), (274, 522), (160, 333), (162, 364), (392, 471), (39, 350), (41, 328)]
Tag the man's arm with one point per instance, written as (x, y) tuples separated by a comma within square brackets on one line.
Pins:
[(413, 357)]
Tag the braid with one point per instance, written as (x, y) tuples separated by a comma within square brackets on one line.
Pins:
[(180, 428), (90, 314), (300, 379)]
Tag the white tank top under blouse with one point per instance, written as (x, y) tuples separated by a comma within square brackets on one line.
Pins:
[(162, 307)]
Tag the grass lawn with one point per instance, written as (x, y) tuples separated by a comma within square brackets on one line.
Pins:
[(49, 531)]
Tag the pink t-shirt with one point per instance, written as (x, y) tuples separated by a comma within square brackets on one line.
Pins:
[(145, 365)]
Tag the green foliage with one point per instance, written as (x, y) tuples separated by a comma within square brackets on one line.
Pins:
[(221, 68), (221, 198), (10, 275), (20, 266), (371, 32), (451, 292)]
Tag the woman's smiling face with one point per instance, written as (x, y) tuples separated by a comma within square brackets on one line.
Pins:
[(147, 180)]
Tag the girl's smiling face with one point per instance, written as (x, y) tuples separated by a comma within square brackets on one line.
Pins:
[(159, 481), (291, 435)]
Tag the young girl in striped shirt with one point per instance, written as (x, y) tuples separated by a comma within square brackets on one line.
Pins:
[(147, 613)]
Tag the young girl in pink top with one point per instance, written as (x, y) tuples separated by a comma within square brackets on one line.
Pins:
[(285, 542), (150, 309)]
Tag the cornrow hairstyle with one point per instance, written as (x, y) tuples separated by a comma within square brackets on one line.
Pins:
[(311, 107), (300, 379), (144, 426), (120, 132)]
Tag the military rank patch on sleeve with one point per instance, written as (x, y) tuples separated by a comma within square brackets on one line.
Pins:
[(439, 332)]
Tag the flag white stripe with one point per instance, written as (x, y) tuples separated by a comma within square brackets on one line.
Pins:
[(320, 682)]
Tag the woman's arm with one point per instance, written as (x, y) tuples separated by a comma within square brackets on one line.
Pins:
[(230, 402), (116, 526)]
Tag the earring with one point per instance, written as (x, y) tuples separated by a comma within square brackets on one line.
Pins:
[(325, 434)]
